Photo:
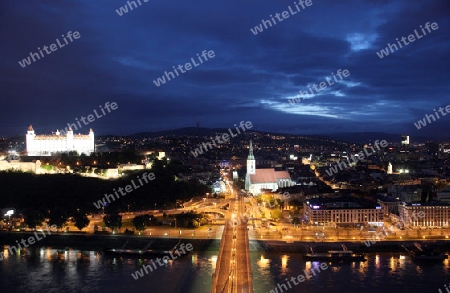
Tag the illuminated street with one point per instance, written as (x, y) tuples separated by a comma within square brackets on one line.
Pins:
[(233, 271)]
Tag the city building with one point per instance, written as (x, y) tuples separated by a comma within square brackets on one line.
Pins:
[(433, 214), (444, 195), (405, 140), (389, 170), (389, 205), (267, 178), (406, 193), (33, 167), (338, 211), (46, 145)]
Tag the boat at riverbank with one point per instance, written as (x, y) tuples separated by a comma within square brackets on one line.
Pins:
[(425, 253), (343, 255), (144, 252)]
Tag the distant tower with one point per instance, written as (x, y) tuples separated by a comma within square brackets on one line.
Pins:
[(30, 140), (251, 161), (389, 170), (405, 140), (91, 141)]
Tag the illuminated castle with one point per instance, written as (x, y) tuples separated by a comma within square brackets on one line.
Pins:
[(46, 145)]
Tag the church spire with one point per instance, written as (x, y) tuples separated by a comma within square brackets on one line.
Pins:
[(250, 153)]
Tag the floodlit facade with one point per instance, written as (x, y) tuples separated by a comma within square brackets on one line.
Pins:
[(330, 212), (425, 214), (46, 145), (257, 179)]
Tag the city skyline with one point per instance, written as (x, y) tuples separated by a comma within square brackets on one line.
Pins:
[(107, 56)]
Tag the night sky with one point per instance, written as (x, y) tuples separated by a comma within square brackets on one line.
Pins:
[(250, 78)]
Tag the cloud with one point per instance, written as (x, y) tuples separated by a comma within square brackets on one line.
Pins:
[(118, 57)]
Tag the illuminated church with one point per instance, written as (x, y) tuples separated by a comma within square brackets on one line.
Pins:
[(268, 178), (59, 142)]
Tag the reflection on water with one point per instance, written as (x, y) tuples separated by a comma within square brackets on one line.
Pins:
[(263, 263), (382, 272), (284, 261), (45, 269)]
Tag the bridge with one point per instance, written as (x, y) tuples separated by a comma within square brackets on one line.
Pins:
[(233, 272)]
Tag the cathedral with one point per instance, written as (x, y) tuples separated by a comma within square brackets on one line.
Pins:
[(46, 145), (257, 179)]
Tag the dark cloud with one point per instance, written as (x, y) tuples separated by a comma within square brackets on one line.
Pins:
[(251, 76)]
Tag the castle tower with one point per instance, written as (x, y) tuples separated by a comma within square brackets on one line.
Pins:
[(69, 139), (30, 140), (91, 141)]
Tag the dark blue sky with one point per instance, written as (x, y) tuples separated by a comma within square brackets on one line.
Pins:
[(250, 78)]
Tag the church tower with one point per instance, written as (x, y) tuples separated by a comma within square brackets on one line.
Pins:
[(251, 170), (251, 161)]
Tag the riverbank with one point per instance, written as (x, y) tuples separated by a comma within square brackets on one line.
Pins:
[(380, 246), (99, 242)]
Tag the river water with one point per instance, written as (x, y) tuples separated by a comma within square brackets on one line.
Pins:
[(46, 269)]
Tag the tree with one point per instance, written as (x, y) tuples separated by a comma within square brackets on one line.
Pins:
[(33, 218), (58, 217), (140, 222), (81, 221), (113, 220)]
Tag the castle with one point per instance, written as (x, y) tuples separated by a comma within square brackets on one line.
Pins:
[(46, 145)]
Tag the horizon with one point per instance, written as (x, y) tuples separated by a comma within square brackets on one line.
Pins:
[(349, 137)]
